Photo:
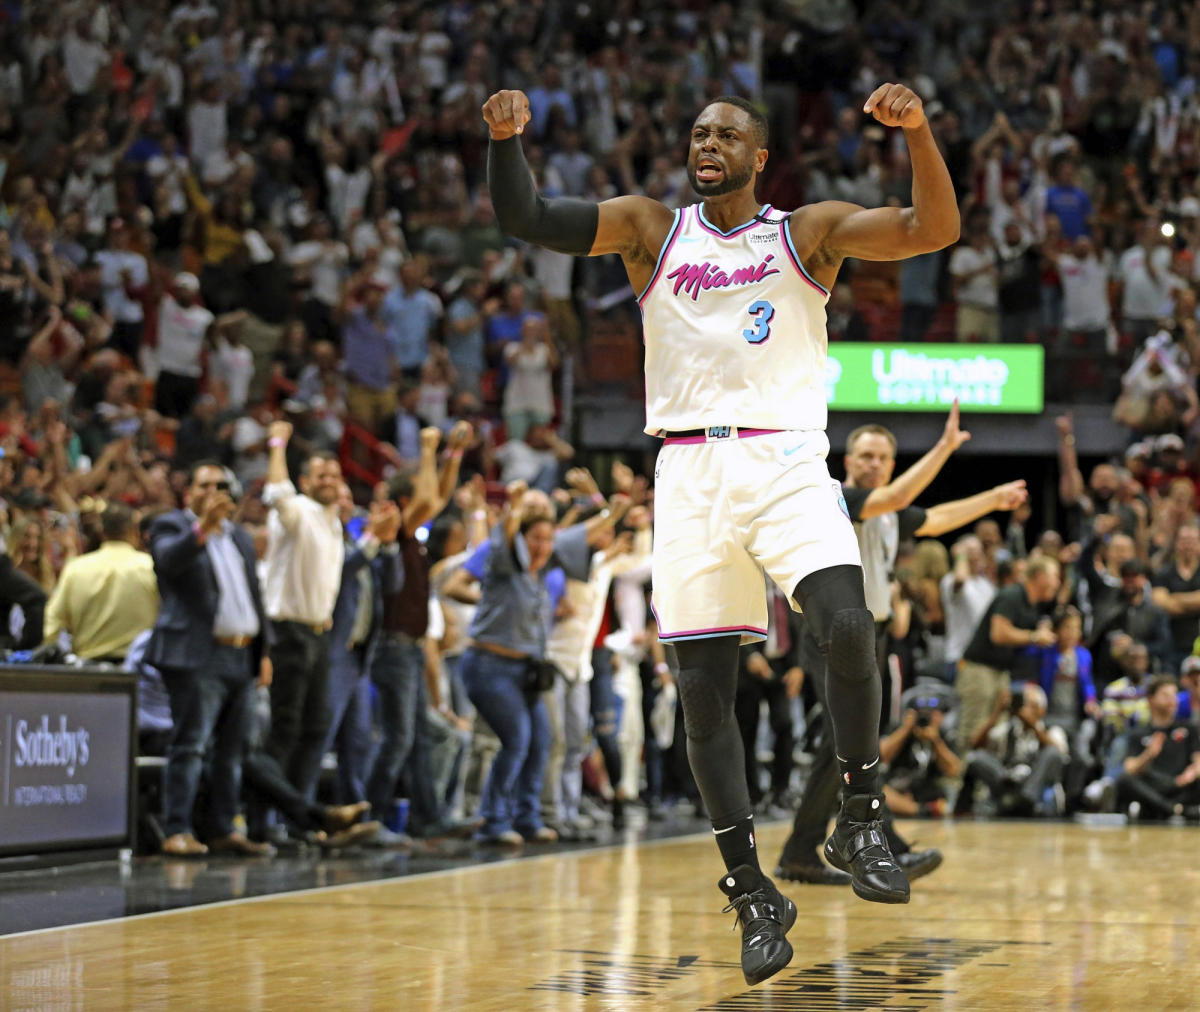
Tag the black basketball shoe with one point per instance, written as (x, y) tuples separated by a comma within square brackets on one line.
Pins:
[(766, 915), (814, 872), (918, 863), (858, 846)]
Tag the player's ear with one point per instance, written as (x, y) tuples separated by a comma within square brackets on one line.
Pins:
[(760, 159)]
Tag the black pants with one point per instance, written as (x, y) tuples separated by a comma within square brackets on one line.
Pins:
[(751, 691), (264, 778), (174, 395), (1157, 793), (819, 802), (299, 703), (1011, 797)]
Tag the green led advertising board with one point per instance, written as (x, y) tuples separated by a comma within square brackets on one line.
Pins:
[(1004, 378)]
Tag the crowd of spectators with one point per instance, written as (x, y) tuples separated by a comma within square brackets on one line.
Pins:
[(237, 237)]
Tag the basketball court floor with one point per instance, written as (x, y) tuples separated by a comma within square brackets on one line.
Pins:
[(1020, 916)]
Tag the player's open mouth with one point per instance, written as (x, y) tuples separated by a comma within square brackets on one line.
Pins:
[(708, 171)]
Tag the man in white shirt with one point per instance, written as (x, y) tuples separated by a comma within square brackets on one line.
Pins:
[(1085, 293), (305, 552), (123, 277), (966, 594), (182, 326), (324, 259), (572, 649), (1144, 273), (976, 286)]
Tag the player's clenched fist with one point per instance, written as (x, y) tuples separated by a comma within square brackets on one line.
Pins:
[(896, 106), (506, 113)]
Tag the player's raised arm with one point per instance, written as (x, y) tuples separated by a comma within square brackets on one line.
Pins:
[(892, 233), (625, 225)]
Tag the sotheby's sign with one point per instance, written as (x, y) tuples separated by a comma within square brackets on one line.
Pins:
[(64, 768)]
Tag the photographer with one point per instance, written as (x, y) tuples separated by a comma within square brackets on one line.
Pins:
[(1015, 756), (917, 757)]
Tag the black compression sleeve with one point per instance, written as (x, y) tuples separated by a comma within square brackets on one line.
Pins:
[(561, 224)]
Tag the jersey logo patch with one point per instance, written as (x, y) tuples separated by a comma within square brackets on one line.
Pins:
[(692, 279)]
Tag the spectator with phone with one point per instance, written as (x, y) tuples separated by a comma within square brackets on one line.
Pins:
[(210, 643)]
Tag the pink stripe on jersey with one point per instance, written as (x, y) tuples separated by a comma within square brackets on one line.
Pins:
[(696, 634), (742, 434), (787, 245), (727, 235), (720, 631), (676, 228)]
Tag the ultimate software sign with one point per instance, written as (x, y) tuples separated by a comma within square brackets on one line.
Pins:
[(64, 778), (928, 377)]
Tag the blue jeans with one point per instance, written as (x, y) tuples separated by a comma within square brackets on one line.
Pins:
[(214, 702), (350, 724), (511, 798), (606, 713), (397, 669)]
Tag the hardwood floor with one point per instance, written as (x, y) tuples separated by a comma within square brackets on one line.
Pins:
[(1020, 916)]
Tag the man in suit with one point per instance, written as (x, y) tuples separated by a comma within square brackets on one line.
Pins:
[(209, 643)]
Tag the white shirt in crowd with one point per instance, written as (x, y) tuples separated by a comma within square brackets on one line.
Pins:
[(112, 263), (82, 59), (982, 290), (249, 465), (521, 462), (530, 382), (207, 128), (170, 171), (233, 365), (574, 635), (964, 608), (325, 262), (1143, 297), (305, 551), (1085, 293), (181, 331)]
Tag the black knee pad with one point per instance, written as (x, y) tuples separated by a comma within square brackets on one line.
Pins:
[(704, 707), (707, 680), (852, 645)]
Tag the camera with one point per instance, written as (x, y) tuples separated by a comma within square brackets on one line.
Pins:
[(1017, 701), (925, 704)]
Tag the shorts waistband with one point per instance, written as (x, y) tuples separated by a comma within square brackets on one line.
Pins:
[(713, 433)]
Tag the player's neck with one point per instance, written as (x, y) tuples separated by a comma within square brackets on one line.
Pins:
[(730, 210)]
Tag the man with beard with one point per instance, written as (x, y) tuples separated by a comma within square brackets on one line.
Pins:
[(304, 571), (733, 296)]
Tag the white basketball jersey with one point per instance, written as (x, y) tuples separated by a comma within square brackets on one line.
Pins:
[(734, 329)]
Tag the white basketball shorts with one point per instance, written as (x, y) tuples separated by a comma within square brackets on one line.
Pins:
[(726, 509)]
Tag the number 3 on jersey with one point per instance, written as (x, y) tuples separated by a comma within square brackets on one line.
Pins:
[(762, 312)]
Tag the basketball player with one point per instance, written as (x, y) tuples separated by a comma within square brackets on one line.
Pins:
[(733, 301)]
